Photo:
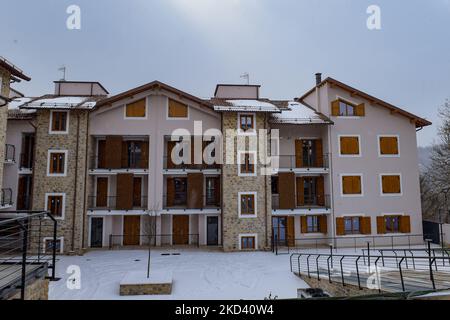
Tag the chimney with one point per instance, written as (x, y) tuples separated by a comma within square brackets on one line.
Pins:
[(318, 78)]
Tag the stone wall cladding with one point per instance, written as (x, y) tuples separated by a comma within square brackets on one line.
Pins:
[(43, 184), (38, 290), (232, 185), (144, 289), (4, 90)]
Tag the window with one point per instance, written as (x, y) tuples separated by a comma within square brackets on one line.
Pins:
[(312, 224), (346, 109), (248, 242), (247, 163), (309, 153), (309, 191), (349, 145), (136, 109), (247, 205), (49, 244), (391, 184), (388, 146), (212, 191), (342, 108), (246, 122), (55, 203), (177, 110), (392, 224), (352, 225), (352, 185), (133, 154), (57, 163), (59, 122), (180, 195)]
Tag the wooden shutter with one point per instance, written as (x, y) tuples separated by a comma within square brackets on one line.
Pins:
[(360, 110), (136, 109), (102, 192), (388, 145), (217, 190), (356, 184), (391, 184), (303, 224), (286, 187), (177, 109), (347, 185), (349, 145), (170, 146), (170, 194), (405, 224), (124, 200), (319, 153), (113, 152), (340, 227), (381, 225), (144, 155), (323, 228), (124, 160), (291, 231), (101, 154), (195, 190), (298, 153), (137, 192), (335, 108), (320, 191), (365, 226), (300, 191)]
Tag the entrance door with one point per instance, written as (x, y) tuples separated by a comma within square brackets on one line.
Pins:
[(279, 225), (212, 229), (102, 192), (131, 230), (96, 232), (180, 229)]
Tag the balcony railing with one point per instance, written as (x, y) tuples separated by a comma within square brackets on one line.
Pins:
[(26, 161), (126, 163), (110, 203), (10, 153), (6, 199), (317, 202), (293, 162), (169, 165), (208, 202)]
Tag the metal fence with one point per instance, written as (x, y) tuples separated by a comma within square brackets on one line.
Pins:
[(294, 162), (315, 202), (181, 202), (28, 247), (109, 202)]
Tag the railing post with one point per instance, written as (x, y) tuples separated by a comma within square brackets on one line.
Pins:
[(342, 272), (368, 254), (329, 273), (401, 275), (307, 263), (357, 273), (24, 258), (331, 255), (55, 225), (392, 242), (276, 245), (430, 262), (317, 267)]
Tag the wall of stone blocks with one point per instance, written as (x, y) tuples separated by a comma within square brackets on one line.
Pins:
[(3, 120)]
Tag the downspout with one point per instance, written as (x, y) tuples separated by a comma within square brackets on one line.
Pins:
[(265, 191), (83, 244), (221, 182), (76, 182)]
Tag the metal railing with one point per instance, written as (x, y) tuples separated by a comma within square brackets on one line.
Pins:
[(288, 244), (207, 202), (154, 240), (317, 202), (293, 162), (170, 165), (6, 197), (27, 250), (126, 163), (10, 153), (110, 203), (26, 161)]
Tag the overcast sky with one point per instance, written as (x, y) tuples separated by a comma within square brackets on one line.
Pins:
[(194, 44)]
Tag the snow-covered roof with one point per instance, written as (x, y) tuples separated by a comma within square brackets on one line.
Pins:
[(61, 102), (299, 114), (245, 105), (17, 102), (15, 112)]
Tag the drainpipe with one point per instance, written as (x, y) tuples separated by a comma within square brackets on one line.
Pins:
[(265, 192), (76, 182), (221, 182)]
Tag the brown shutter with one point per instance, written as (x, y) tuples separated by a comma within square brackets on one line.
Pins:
[(113, 152), (298, 153), (137, 192), (360, 110), (356, 184), (124, 200), (353, 145), (405, 224), (101, 154), (144, 156), (319, 153), (102, 192), (347, 185), (217, 190), (340, 227), (291, 231), (335, 108), (365, 226), (286, 189), (303, 224), (323, 228), (124, 161), (300, 191), (381, 225), (391, 184), (170, 146), (170, 195), (388, 145), (195, 190), (320, 191)]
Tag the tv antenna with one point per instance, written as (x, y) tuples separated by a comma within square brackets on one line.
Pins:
[(63, 69), (246, 76)]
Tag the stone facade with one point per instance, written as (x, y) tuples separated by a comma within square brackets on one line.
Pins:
[(4, 90), (233, 225), (37, 290), (73, 184), (144, 289)]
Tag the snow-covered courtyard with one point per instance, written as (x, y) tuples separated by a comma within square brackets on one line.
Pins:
[(197, 274)]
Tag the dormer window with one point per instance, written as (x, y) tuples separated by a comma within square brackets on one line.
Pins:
[(346, 109), (343, 108), (246, 122)]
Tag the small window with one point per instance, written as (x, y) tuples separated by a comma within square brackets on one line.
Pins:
[(49, 244), (349, 145), (312, 224), (247, 205), (352, 225), (59, 121), (57, 163), (247, 163), (248, 242), (246, 122), (177, 109), (136, 109), (391, 184), (392, 224), (351, 185), (346, 109), (55, 205), (388, 146)]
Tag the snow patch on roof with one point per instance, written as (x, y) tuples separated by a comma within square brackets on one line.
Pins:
[(68, 102), (16, 103), (298, 114), (247, 105)]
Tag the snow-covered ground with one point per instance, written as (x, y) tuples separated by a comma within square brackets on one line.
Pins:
[(197, 274)]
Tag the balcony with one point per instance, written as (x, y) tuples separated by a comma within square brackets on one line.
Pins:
[(127, 164), (169, 165), (6, 198), (110, 203), (180, 202), (310, 204), (10, 153), (311, 163)]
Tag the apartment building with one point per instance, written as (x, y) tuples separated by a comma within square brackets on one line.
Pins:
[(156, 164)]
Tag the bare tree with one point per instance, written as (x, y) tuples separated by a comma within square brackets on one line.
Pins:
[(150, 232)]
